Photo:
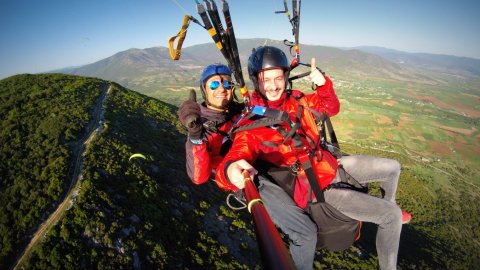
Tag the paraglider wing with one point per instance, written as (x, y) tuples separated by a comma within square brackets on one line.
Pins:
[(137, 155)]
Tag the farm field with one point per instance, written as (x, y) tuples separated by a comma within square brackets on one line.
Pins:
[(436, 125)]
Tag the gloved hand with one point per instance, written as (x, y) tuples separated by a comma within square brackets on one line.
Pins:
[(315, 75), (189, 115)]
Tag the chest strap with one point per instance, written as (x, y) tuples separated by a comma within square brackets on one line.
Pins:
[(262, 117)]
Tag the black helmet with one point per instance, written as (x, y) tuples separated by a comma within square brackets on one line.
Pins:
[(264, 58)]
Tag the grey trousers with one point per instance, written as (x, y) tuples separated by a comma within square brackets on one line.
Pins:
[(384, 212)]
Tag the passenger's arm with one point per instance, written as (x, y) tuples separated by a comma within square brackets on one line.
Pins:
[(197, 156), (198, 162), (243, 148), (326, 99), (235, 172)]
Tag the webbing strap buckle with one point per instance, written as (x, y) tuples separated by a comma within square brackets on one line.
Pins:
[(295, 167)]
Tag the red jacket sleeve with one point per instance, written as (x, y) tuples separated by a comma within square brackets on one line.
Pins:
[(243, 148), (327, 98), (198, 162)]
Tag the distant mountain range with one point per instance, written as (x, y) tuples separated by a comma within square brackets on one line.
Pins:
[(147, 69), (435, 62)]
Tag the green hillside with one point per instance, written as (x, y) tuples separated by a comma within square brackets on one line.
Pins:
[(42, 117), (144, 211), (146, 214)]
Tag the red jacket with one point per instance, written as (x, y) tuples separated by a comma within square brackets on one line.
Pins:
[(202, 159), (266, 143)]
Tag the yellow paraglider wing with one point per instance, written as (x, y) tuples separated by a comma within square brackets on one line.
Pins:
[(137, 155)]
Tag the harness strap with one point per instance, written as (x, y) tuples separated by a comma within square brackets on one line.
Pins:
[(175, 53), (331, 132), (348, 181), (211, 31), (265, 117), (211, 126), (269, 144), (323, 119), (230, 33), (264, 122), (295, 126), (272, 113), (304, 158), (311, 176)]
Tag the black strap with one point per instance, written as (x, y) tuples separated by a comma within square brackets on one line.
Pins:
[(264, 122), (306, 163), (348, 181), (331, 132), (269, 117), (304, 159), (324, 119), (233, 44), (277, 114), (216, 31), (312, 178), (295, 126)]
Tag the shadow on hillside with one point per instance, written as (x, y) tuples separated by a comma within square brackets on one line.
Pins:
[(417, 249)]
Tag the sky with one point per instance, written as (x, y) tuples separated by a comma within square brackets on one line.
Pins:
[(39, 36)]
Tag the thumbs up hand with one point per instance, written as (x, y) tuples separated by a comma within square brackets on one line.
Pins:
[(189, 115), (315, 75), (194, 110)]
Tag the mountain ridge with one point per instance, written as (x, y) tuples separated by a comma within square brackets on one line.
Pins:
[(451, 64), (127, 66), (356, 60)]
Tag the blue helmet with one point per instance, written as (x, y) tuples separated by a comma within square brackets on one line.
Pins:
[(209, 71), (215, 69)]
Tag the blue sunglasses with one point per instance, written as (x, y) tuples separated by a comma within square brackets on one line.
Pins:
[(215, 84)]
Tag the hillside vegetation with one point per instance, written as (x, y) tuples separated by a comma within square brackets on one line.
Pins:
[(145, 213), (41, 116)]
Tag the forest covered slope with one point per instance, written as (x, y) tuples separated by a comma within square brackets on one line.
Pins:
[(145, 213)]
